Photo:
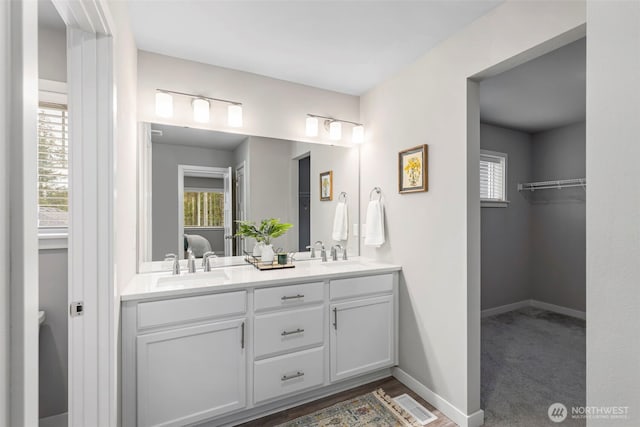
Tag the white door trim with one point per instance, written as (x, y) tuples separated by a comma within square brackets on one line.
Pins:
[(20, 27), (92, 336), (91, 269)]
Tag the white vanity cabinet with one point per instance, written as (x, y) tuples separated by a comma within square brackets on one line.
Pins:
[(191, 374), (184, 359), (363, 326), (224, 357)]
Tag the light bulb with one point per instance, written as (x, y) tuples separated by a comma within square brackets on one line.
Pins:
[(335, 131), (201, 110), (357, 137), (234, 115), (312, 126), (164, 104)]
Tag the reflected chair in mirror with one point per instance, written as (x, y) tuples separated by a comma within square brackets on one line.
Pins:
[(199, 245)]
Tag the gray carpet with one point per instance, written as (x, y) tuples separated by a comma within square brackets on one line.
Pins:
[(530, 359)]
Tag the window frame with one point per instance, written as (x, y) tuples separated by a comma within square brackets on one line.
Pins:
[(202, 190), (496, 203), (53, 92)]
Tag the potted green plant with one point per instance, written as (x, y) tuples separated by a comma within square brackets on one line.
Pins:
[(268, 230)]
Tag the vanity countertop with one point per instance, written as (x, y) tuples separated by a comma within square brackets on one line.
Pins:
[(161, 285)]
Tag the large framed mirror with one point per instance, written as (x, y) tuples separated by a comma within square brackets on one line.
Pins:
[(195, 184)]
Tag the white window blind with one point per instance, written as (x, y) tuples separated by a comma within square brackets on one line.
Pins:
[(53, 166), (493, 176)]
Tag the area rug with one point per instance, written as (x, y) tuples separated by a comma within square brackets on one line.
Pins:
[(372, 410)]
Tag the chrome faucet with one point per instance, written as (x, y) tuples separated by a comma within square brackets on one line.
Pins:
[(204, 257), (323, 251), (206, 260), (191, 261), (334, 252), (175, 269), (313, 250)]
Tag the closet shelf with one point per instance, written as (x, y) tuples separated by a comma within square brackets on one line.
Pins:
[(547, 185)]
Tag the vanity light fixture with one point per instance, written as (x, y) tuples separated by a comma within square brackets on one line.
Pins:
[(312, 126), (164, 104), (334, 127), (201, 113), (357, 134), (335, 131), (201, 107)]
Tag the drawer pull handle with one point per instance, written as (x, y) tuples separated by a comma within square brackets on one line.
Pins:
[(290, 377), (285, 298), (297, 331)]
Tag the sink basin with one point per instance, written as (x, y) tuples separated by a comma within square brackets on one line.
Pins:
[(201, 278)]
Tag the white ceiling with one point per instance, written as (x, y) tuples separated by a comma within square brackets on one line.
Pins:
[(177, 135), (544, 93), (345, 46)]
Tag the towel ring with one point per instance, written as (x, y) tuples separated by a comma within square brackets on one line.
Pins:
[(378, 191), (342, 194)]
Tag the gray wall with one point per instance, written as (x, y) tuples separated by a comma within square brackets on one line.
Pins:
[(558, 226), (53, 332), (535, 248), (270, 185), (506, 248), (165, 161), (53, 283)]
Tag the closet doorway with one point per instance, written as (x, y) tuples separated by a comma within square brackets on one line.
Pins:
[(533, 238)]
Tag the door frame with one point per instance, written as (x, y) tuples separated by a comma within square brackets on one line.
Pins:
[(205, 172), (93, 335), (473, 214), (241, 213)]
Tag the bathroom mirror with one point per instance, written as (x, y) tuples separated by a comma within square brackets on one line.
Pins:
[(194, 185)]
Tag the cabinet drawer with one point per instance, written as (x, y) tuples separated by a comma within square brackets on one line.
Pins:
[(357, 286), (288, 296), (288, 330), (191, 309), (287, 374)]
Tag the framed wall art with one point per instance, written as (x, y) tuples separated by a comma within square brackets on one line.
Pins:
[(412, 170), (326, 186)]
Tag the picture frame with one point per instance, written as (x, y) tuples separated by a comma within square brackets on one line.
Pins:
[(413, 169), (326, 186)]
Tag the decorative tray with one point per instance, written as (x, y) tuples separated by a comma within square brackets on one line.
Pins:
[(263, 265)]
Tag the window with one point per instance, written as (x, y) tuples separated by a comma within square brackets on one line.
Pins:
[(203, 208), (493, 178), (53, 166)]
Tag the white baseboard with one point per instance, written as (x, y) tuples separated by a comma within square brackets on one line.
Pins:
[(443, 405), (534, 303), (558, 309), (504, 308)]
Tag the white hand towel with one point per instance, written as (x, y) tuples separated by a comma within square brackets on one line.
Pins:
[(341, 222), (374, 233)]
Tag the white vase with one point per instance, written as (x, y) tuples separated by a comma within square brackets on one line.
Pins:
[(257, 249), (267, 253)]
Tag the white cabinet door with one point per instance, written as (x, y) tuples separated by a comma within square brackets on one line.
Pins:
[(191, 374), (362, 336)]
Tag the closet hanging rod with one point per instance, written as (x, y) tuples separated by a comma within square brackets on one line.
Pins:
[(557, 184)]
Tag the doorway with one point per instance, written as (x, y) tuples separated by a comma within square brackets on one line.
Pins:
[(532, 237), (304, 203), (205, 215)]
